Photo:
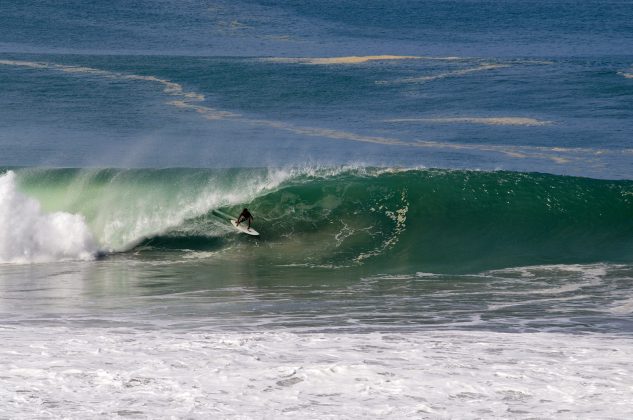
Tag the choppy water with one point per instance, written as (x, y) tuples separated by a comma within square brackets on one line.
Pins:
[(443, 190)]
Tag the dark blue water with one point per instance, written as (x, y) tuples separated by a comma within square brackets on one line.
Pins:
[(493, 85), (253, 28)]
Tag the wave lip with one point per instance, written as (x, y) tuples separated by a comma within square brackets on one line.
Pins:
[(28, 235)]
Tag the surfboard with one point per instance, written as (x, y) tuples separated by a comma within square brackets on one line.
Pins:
[(244, 228)]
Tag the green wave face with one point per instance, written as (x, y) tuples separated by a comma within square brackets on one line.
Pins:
[(412, 220), (449, 220)]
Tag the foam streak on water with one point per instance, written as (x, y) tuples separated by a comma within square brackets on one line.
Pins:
[(195, 101), (50, 372)]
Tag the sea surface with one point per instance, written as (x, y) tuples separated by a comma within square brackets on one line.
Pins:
[(443, 191)]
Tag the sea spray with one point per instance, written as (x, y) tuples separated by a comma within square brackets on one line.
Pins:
[(27, 234)]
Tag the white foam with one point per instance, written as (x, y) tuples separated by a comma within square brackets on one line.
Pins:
[(57, 372), (399, 218), (497, 306), (587, 276), (622, 307), (20, 63), (454, 73), (520, 121), (27, 234), (594, 272), (354, 59), (207, 112), (626, 75)]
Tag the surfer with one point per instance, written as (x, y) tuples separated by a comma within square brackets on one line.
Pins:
[(245, 215)]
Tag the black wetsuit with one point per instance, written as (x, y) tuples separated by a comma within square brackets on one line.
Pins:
[(245, 215)]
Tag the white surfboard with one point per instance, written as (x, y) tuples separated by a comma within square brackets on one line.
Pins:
[(244, 228)]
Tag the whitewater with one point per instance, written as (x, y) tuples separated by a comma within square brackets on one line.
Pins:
[(343, 376), (504, 343), (29, 235)]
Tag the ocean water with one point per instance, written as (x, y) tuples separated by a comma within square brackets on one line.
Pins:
[(444, 192)]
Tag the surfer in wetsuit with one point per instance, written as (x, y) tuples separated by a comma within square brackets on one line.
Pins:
[(245, 215)]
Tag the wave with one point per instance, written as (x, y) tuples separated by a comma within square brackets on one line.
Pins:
[(390, 219)]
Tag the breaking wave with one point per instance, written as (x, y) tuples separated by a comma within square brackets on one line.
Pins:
[(28, 234), (417, 219)]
